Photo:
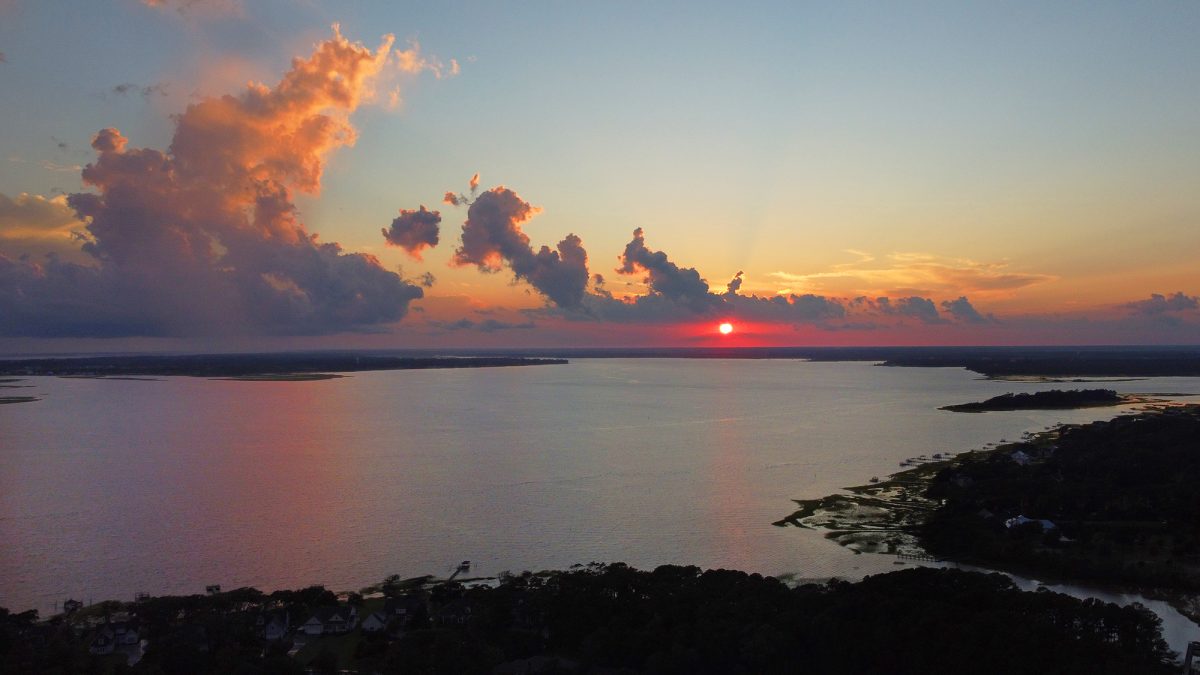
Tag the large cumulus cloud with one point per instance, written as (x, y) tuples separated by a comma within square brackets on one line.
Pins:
[(205, 237)]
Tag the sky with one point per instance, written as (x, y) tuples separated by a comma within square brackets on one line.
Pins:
[(293, 174)]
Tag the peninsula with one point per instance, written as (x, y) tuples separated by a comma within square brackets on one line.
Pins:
[(1054, 399), (1109, 502)]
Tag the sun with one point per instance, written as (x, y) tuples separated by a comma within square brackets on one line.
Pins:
[(725, 328)]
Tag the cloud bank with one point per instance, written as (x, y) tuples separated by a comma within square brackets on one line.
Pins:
[(1158, 304), (204, 238)]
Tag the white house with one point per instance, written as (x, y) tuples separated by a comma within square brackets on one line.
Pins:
[(375, 623), (274, 625), (331, 621)]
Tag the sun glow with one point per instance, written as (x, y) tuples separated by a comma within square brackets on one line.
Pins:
[(725, 328)]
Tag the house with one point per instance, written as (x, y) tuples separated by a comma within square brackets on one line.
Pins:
[(1021, 458), (377, 622), (103, 642), (456, 612), (114, 636), (1022, 520), (404, 607), (273, 625), (331, 620)]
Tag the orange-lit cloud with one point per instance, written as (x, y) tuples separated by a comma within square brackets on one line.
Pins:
[(912, 274), (205, 237), (413, 62), (35, 225)]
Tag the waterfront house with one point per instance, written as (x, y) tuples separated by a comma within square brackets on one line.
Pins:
[(455, 612), (404, 607)]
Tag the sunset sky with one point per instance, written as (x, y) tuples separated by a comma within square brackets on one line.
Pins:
[(813, 173)]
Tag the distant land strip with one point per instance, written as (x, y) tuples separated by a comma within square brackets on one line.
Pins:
[(1043, 363), (1049, 400), (249, 366)]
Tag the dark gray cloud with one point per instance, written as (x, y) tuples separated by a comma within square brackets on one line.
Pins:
[(485, 326), (962, 311), (913, 307), (492, 238), (734, 284), (414, 231), (681, 285), (145, 91), (680, 294), (1158, 304), (204, 238)]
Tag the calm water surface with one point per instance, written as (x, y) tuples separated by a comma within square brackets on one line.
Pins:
[(111, 487)]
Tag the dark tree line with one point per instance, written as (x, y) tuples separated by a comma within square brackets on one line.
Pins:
[(613, 618), (1121, 493)]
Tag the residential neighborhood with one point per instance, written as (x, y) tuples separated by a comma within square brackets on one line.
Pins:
[(308, 629)]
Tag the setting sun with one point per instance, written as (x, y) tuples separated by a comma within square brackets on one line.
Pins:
[(725, 328)]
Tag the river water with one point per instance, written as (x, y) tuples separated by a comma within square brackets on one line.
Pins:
[(113, 487)]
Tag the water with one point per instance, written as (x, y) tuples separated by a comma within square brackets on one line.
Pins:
[(113, 487)]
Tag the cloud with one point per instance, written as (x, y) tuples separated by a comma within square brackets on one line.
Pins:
[(485, 326), (146, 91), (1158, 305), (461, 199), (915, 274), (679, 294), (913, 307), (414, 231), (411, 61), (204, 8), (492, 238), (47, 165), (681, 285), (204, 238), (962, 310), (36, 217), (734, 284)]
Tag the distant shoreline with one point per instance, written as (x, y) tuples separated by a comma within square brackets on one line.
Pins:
[(253, 367), (1027, 364)]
